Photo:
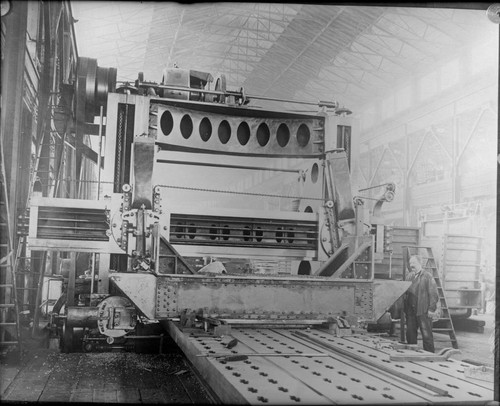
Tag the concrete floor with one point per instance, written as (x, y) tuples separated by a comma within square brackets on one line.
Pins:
[(475, 346), (47, 375)]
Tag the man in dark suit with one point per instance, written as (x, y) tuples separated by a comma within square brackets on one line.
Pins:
[(421, 298)]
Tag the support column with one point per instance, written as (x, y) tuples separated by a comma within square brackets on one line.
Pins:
[(12, 101)]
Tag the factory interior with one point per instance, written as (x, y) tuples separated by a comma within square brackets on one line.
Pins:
[(249, 203)]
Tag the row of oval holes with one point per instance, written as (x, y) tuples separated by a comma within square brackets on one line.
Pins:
[(243, 132)]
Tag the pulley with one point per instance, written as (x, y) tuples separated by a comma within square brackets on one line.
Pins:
[(220, 86), (93, 83), (493, 13)]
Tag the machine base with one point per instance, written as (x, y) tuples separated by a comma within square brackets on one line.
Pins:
[(312, 366)]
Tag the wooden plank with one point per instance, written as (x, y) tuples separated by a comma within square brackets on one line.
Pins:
[(128, 395), (106, 378), (151, 395), (104, 396), (83, 395), (31, 380)]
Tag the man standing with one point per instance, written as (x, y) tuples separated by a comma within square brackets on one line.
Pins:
[(421, 297)]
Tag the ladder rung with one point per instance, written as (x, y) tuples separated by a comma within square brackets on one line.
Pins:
[(459, 263), (6, 285), (464, 290), (9, 342), (7, 305), (439, 330), (26, 288), (462, 249), (8, 324)]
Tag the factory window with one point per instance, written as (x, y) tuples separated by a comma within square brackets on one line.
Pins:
[(480, 146), (368, 116), (263, 134), (432, 163), (243, 133), (283, 135), (402, 99), (388, 107), (303, 135), (205, 129), (166, 122), (186, 126), (388, 170), (482, 58), (224, 132), (364, 164), (398, 149), (450, 73), (428, 85), (34, 27)]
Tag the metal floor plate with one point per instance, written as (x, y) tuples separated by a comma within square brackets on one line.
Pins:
[(293, 375)]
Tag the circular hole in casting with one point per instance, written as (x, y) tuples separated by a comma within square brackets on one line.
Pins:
[(304, 268), (205, 129), (192, 231), (283, 135), (303, 135), (247, 233), (263, 134), (213, 232), (166, 122), (314, 173), (226, 232), (224, 131), (186, 126), (243, 133), (179, 229), (279, 234), (259, 233)]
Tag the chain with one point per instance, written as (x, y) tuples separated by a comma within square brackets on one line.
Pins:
[(237, 193), (119, 141), (210, 190)]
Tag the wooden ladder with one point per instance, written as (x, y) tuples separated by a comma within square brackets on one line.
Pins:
[(10, 333), (429, 264)]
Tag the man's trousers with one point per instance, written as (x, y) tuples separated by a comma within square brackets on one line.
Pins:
[(413, 322)]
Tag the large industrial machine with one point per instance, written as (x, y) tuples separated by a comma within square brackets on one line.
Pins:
[(289, 283)]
